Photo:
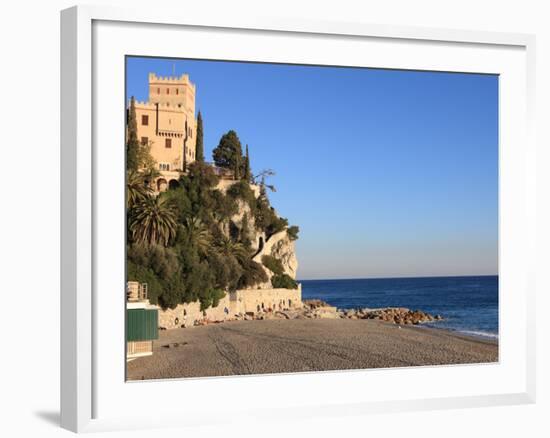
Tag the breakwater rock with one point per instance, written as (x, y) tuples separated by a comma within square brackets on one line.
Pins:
[(317, 309), (395, 315)]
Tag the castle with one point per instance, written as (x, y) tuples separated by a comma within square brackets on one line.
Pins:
[(167, 123)]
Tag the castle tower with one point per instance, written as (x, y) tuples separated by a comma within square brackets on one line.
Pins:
[(172, 91), (167, 123)]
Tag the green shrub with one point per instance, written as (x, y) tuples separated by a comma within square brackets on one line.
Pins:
[(276, 225), (253, 273), (211, 298), (145, 275), (283, 281), (292, 232), (273, 264)]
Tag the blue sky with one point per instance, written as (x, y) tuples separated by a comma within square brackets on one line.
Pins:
[(388, 173)]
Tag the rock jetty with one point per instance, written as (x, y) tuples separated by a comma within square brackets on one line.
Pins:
[(317, 309)]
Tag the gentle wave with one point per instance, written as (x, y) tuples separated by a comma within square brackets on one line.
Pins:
[(478, 333)]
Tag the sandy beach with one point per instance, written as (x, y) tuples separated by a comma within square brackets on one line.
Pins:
[(282, 346)]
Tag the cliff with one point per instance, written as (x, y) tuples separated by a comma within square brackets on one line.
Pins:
[(282, 248), (278, 245)]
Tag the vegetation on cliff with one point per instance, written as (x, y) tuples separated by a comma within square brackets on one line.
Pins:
[(183, 242)]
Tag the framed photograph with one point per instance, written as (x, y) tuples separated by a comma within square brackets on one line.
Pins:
[(333, 217)]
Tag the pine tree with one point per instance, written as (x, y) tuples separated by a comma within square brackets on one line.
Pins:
[(228, 152), (199, 154), (247, 175), (132, 142)]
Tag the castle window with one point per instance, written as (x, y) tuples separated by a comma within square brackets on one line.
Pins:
[(144, 141), (168, 91), (177, 91), (168, 143), (164, 166), (144, 120), (158, 90)]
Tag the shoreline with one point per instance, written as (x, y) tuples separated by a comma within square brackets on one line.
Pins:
[(463, 335), (300, 345), (400, 316)]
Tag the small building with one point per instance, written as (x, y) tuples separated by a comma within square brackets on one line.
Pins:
[(141, 322)]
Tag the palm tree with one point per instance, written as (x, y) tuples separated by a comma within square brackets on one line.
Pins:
[(229, 248), (197, 235), (137, 188), (153, 221)]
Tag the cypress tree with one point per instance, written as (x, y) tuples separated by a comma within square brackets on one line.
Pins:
[(199, 153), (237, 168), (132, 142), (247, 175)]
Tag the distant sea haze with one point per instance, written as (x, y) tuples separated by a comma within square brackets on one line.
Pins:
[(468, 304)]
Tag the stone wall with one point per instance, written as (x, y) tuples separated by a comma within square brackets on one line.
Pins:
[(257, 300), (233, 304)]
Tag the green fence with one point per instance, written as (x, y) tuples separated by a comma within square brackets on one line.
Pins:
[(142, 324)]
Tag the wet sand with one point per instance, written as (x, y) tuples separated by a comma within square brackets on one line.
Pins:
[(283, 346)]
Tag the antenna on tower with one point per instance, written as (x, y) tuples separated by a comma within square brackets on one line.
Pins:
[(174, 69)]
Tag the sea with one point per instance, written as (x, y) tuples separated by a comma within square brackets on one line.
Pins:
[(469, 305)]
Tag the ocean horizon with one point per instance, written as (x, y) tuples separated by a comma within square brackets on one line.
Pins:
[(468, 304)]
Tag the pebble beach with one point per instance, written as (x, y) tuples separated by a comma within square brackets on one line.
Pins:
[(304, 345)]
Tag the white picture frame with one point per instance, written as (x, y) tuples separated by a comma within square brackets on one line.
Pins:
[(91, 390)]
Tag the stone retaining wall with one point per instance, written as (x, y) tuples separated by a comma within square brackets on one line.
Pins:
[(257, 300), (235, 303)]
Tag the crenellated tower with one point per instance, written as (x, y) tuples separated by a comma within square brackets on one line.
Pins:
[(172, 91), (167, 123)]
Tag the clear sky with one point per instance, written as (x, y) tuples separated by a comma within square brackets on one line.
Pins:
[(387, 173)]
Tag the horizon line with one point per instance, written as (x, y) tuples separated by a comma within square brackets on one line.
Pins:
[(394, 278)]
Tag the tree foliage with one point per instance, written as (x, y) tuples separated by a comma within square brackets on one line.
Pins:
[(153, 221), (132, 142), (199, 153), (137, 189), (247, 173), (273, 264), (228, 153), (283, 281), (292, 232), (138, 155)]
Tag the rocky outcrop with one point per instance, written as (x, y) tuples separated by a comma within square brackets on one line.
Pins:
[(278, 245), (282, 248), (256, 237)]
